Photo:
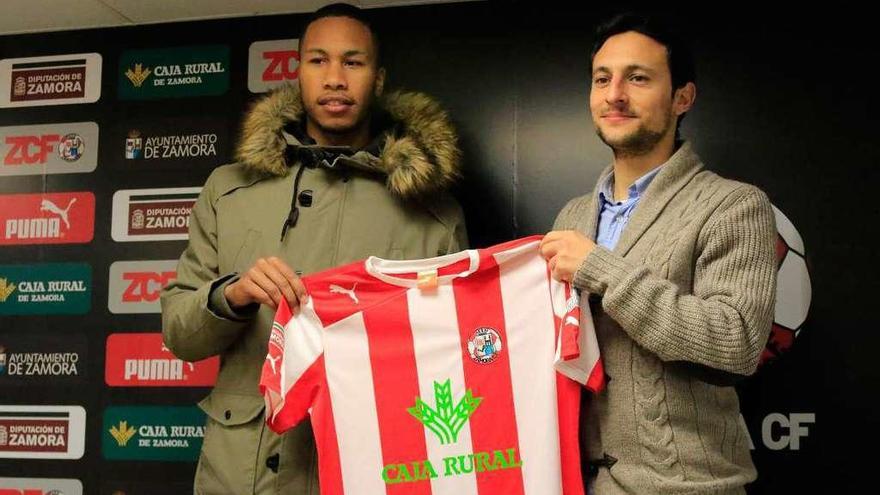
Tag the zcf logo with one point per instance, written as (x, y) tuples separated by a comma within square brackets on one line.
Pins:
[(29, 150), (35, 491), (280, 63), (135, 286), (40, 486), (56, 148), (145, 286), (272, 63)]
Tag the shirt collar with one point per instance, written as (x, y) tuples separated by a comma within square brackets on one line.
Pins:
[(636, 189)]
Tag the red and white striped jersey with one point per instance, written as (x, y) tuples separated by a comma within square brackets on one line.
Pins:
[(455, 375)]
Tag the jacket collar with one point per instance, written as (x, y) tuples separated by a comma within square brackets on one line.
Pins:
[(415, 150), (672, 177)]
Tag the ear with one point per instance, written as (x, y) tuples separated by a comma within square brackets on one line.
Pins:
[(684, 98), (380, 82)]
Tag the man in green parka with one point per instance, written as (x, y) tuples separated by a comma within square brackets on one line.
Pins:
[(329, 171)]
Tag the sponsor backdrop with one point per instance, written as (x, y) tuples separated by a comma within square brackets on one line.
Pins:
[(106, 137)]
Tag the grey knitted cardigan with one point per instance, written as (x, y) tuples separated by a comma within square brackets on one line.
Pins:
[(685, 298)]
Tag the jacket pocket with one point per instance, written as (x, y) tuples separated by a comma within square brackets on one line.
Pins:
[(231, 444), (232, 409)]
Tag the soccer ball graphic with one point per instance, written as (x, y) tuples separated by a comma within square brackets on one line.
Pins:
[(793, 289)]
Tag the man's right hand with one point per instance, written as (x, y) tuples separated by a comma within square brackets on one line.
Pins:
[(267, 282)]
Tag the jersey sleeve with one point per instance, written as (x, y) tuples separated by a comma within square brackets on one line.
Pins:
[(577, 350), (293, 372)]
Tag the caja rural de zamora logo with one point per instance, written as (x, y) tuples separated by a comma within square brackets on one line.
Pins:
[(446, 420)]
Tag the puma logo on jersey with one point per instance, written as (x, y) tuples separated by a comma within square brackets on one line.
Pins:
[(47, 205), (272, 361), (350, 292)]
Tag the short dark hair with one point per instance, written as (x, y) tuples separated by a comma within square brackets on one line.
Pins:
[(345, 10), (663, 30)]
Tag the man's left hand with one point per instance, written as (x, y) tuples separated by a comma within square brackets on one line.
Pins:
[(565, 251)]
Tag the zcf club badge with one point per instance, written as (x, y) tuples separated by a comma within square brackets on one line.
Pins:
[(485, 345)]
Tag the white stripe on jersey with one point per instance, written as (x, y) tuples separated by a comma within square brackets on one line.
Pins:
[(531, 346), (303, 345), (578, 369), (350, 379), (436, 340)]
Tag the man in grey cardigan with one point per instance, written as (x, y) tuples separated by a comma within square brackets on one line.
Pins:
[(677, 266)]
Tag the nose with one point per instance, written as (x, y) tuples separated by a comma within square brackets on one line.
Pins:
[(334, 78), (616, 92)]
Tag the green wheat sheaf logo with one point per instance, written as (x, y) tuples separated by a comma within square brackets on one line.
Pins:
[(446, 421)]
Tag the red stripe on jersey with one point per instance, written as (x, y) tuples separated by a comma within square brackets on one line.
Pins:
[(324, 428), (493, 425), (568, 404), (570, 337), (570, 329), (498, 248), (283, 315), (273, 366), (396, 384), (596, 381), (299, 398)]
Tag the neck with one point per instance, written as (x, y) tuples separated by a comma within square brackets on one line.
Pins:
[(628, 168), (356, 138)]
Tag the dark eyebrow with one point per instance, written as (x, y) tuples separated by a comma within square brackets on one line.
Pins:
[(628, 68), (349, 53), (635, 67)]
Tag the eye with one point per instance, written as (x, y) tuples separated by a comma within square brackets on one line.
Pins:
[(600, 80), (354, 63), (639, 78), (317, 60)]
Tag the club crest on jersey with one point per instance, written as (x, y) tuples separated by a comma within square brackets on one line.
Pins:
[(485, 345)]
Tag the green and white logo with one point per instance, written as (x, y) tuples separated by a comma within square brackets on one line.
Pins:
[(152, 433), (445, 420), (46, 289), (174, 72)]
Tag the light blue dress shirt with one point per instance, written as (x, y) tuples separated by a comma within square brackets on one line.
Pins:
[(614, 215)]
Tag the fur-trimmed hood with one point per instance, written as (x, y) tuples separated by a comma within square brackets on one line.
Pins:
[(420, 154)]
